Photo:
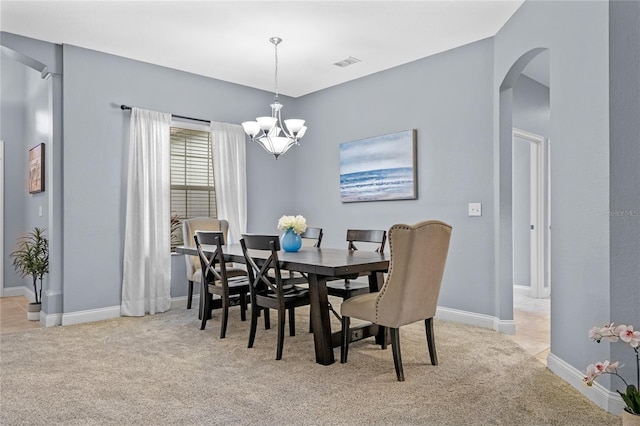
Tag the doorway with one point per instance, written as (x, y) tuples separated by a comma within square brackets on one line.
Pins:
[(531, 291), (529, 213)]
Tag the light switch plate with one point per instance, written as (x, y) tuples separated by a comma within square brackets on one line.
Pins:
[(475, 209)]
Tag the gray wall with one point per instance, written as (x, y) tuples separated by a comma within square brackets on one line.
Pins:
[(531, 106), (95, 159), (26, 116), (12, 109), (96, 134), (43, 96), (448, 99), (624, 102), (577, 36), (37, 130)]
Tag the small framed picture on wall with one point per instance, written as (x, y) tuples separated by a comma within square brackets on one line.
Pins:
[(36, 169)]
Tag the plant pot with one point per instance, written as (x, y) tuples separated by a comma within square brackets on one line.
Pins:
[(33, 311), (629, 419)]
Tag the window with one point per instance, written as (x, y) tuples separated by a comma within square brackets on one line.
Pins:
[(192, 185)]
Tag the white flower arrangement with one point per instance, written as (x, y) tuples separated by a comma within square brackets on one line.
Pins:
[(297, 224)]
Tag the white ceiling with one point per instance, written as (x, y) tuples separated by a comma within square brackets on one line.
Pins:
[(229, 40)]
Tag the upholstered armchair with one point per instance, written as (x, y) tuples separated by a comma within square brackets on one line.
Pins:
[(410, 292)]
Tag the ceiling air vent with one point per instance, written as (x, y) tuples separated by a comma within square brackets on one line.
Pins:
[(346, 62)]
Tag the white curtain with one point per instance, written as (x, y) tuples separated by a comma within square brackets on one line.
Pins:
[(146, 281), (230, 170)]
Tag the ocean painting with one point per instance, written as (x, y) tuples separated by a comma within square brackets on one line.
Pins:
[(379, 168)]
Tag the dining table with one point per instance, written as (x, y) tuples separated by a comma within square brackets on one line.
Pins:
[(320, 265)]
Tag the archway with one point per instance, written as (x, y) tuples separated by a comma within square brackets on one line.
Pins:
[(505, 190)]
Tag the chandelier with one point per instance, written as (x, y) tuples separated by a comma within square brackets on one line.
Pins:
[(269, 131)]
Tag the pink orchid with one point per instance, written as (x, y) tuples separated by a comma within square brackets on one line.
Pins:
[(607, 332), (599, 368), (623, 333), (593, 372), (627, 335), (612, 368)]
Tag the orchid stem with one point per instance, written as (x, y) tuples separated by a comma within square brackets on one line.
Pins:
[(621, 378), (637, 368)]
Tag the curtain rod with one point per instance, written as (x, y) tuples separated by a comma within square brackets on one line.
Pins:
[(125, 107)]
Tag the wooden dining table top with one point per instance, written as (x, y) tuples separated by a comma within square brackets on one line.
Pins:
[(330, 262)]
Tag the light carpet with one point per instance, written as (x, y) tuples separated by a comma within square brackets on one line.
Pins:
[(162, 370)]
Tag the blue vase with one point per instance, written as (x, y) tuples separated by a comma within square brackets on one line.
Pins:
[(290, 241)]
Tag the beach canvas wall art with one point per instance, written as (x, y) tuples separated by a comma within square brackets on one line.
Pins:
[(379, 168)]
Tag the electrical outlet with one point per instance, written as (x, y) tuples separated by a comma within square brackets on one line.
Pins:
[(475, 209), (39, 210)]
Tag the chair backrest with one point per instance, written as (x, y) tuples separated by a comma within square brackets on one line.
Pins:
[(312, 237), (418, 257), (208, 261), (367, 236), (189, 228), (261, 280)]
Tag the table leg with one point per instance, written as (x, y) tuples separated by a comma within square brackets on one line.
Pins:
[(376, 279), (320, 320)]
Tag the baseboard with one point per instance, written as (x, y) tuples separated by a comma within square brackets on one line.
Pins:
[(111, 312), (472, 318), (597, 393), (13, 291), (91, 315), (181, 302), (50, 320), (524, 290), (29, 294), (504, 326)]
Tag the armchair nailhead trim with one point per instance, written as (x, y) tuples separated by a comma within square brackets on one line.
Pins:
[(384, 287)]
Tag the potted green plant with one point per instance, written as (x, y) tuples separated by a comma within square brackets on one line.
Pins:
[(31, 258), (631, 395)]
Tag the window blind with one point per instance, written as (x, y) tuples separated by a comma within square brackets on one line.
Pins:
[(192, 185)]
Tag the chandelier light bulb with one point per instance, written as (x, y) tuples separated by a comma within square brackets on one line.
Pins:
[(252, 128)]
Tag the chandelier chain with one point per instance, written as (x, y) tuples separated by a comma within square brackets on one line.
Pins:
[(276, 74)]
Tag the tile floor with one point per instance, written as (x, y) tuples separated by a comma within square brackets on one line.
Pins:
[(531, 317), (13, 315)]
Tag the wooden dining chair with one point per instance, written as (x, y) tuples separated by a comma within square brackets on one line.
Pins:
[(410, 293), (346, 287), (194, 271), (215, 280), (312, 237), (269, 291)]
